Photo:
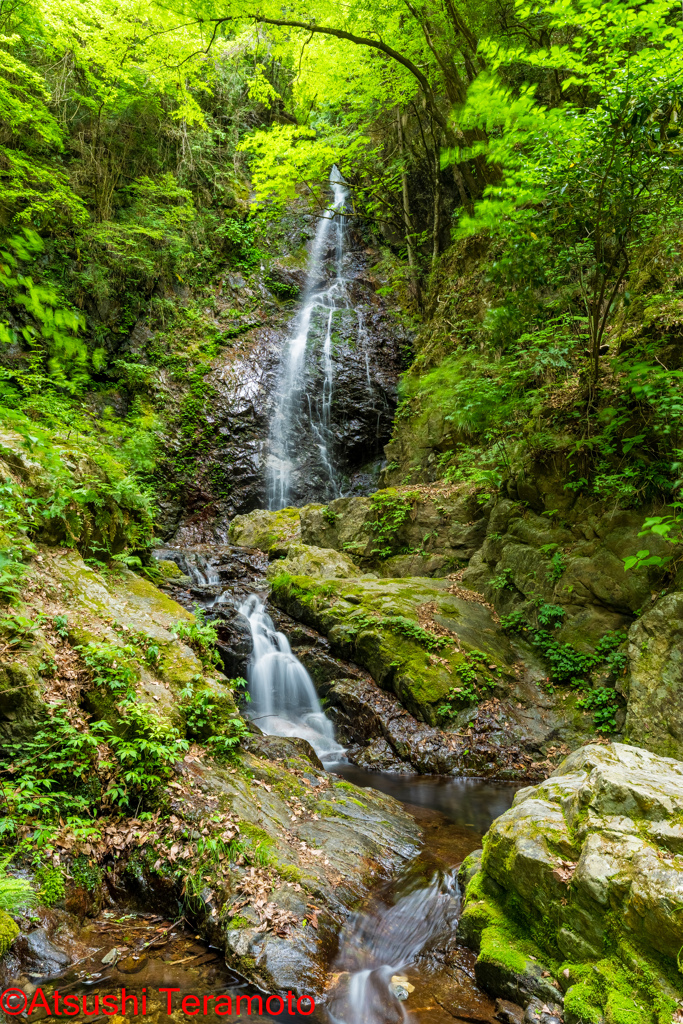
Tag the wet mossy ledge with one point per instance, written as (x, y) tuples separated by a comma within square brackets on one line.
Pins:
[(577, 897), (376, 623)]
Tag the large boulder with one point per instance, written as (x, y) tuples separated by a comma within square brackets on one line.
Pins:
[(412, 635), (307, 560), (587, 866), (418, 532), (272, 532)]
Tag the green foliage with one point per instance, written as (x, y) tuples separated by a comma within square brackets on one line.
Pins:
[(567, 664), (61, 624), (389, 511), (201, 636), (583, 176), (224, 745), (17, 632), (557, 566), (329, 515), (604, 705), (670, 527), (503, 581), (54, 772), (476, 685), (549, 615)]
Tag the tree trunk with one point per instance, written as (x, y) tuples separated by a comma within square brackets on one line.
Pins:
[(407, 219)]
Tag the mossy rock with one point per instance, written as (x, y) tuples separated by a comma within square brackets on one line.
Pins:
[(321, 563), (375, 623), (267, 531), (581, 864), (8, 932)]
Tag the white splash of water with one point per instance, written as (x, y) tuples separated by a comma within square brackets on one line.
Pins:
[(283, 697), (379, 943), (285, 430)]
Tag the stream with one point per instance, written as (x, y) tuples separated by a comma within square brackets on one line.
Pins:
[(397, 960)]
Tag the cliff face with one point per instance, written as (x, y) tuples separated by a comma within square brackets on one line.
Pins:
[(217, 416)]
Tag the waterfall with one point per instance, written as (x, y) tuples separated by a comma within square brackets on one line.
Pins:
[(292, 402), (283, 698), (378, 943)]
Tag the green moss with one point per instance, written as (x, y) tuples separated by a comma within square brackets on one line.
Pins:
[(621, 1008), (255, 834), (8, 932), (52, 885), (579, 1003), (85, 874), (498, 946), (238, 922), (290, 872)]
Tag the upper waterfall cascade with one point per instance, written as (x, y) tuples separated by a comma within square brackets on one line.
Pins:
[(293, 403)]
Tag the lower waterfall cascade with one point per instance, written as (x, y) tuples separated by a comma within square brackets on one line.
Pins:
[(283, 697)]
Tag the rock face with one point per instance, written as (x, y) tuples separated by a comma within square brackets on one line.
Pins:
[(319, 838), (321, 563), (220, 432), (440, 533), (588, 865), (271, 532), (654, 685), (289, 832)]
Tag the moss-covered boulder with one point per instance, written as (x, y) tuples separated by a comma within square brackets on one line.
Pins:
[(587, 866), (8, 932), (654, 685), (322, 563), (271, 532)]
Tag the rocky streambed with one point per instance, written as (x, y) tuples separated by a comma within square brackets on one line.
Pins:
[(358, 883)]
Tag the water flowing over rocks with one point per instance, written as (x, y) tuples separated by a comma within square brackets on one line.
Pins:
[(354, 376)]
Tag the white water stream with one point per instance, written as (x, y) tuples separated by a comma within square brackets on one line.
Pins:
[(379, 943), (283, 697), (292, 402)]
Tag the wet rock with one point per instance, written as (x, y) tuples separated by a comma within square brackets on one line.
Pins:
[(235, 642), (509, 1013), (374, 623), (540, 1012), (272, 532), (282, 748), (38, 956), (332, 851)]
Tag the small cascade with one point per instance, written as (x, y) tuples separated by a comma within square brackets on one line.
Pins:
[(283, 698), (379, 943), (293, 403)]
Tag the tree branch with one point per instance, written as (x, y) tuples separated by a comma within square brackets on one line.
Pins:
[(339, 33)]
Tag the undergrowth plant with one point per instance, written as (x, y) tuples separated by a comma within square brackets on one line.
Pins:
[(569, 666), (389, 512), (201, 636)]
